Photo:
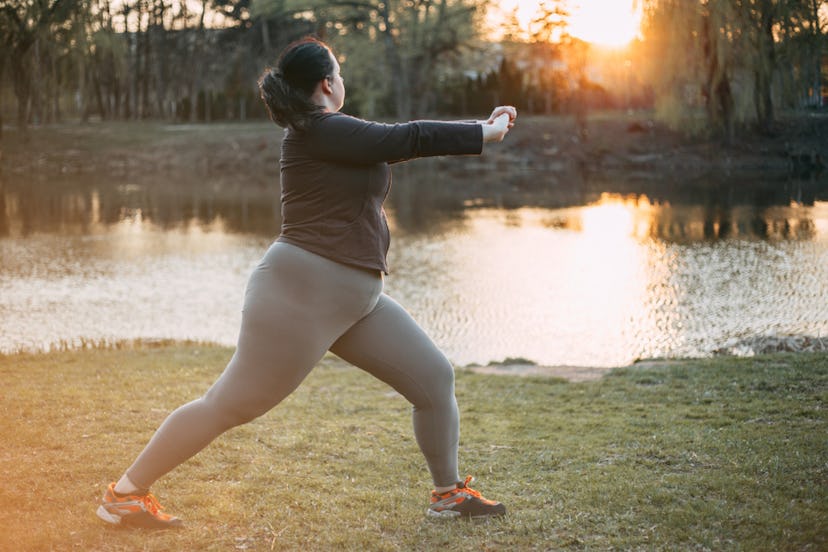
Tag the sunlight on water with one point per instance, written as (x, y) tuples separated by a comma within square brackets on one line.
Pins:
[(597, 285), (590, 286), (135, 280), (522, 289)]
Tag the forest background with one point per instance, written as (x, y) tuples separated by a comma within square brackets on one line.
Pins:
[(711, 67)]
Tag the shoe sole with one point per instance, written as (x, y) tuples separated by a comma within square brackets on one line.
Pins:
[(451, 514), (108, 517), (445, 514), (141, 520)]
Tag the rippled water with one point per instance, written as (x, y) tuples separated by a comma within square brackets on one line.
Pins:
[(618, 278), (512, 284)]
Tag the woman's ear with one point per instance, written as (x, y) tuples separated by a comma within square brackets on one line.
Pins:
[(327, 85)]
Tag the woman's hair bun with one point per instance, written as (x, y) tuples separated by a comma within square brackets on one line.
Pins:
[(286, 89)]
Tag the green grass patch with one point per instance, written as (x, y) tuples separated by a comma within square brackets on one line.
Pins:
[(722, 454)]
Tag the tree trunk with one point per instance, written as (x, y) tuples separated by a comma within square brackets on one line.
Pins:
[(132, 66), (2, 68), (197, 65), (814, 18), (99, 98), (145, 80), (116, 94), (36, 106), (20, 76), (764, 70), (401, 84), (160, 83), (135, 76), (266, 36), (56, 91), (159, 34), (718, 94), (724, 96), (80, 92)]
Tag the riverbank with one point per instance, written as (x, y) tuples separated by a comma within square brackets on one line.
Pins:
[(616, 141), (721, 454)]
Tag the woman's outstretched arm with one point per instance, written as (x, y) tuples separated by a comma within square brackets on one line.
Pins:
[(345, 139)]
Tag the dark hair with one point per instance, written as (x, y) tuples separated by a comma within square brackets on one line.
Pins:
[(286, 89)]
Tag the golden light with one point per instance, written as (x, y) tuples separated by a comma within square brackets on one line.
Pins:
[(608, 221), (609, 23), (821, 219), (617, 217), (612, 23)]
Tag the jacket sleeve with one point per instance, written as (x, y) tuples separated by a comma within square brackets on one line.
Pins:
[(343, 139)]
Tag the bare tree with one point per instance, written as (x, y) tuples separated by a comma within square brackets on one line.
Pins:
[(414, 37), (732, 49), (25, 22)]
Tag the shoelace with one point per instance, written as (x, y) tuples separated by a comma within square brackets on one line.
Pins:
[(468, 489), (152, 503), (465, 488)]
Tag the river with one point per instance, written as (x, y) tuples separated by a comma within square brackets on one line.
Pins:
[(599, 274)]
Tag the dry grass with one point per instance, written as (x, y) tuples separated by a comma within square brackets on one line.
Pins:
[(725, 454)]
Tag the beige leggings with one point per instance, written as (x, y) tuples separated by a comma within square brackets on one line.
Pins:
[(297, 306)]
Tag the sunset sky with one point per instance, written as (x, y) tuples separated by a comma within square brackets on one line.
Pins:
[(602, 22)]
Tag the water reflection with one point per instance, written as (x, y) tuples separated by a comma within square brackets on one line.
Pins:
[(714, 208), (79, 206), (594, 285), (580, 277), (641, 218), (421, 201)]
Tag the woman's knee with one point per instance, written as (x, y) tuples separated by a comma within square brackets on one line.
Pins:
[(437, 386), (232, 412), (445, 375)]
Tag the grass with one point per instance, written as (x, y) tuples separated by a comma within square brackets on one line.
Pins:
[(722, 454)]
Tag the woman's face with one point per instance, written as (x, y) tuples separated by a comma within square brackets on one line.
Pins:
[(337, 85)]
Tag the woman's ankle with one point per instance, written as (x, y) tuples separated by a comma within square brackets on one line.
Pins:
[(125, 486)]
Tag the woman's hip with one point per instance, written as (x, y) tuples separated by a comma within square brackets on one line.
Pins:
[(294, 277)]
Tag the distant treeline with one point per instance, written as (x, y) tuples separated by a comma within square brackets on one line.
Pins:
[(725, 63), (157, 59), (738, 61)]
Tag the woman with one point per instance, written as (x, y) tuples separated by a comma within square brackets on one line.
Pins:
[(319, 288)]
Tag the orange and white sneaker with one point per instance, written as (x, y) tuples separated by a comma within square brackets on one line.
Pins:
[(138, 510), (463, 502)]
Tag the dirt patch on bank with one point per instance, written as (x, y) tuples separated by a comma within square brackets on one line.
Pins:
[(749, 347), (569, 373)]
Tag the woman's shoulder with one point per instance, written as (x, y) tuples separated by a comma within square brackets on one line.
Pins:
[(322, 128), (336, 118), (335, 125)]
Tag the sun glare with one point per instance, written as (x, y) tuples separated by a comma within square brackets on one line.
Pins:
[(610, 23)]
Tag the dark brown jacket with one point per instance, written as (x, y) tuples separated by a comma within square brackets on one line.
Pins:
[(335, 177)]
